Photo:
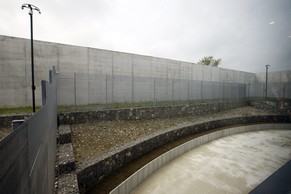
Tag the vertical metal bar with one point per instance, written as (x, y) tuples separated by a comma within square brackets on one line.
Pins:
[(232, 92), (112, 84), (284, 92), (106, 91), (75, 91), (132, 88), (88, 89), (132, 80), (154, 91), (112, 89), (172, 91), (201, 90), (266, 90), (43, 92), (32, 63), (222, 91), (249, 90), (212, 92), (191, 85), (188, 92), (88, 76), (167, 79)]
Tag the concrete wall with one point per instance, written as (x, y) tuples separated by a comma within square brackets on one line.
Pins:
[(89, 65), (15, 68)]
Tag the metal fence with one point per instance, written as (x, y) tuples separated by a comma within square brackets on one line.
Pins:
[(27, 155), (79, 91), (279, 90)]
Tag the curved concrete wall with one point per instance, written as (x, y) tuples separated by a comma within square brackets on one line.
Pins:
[(93, 171), (130, 183)]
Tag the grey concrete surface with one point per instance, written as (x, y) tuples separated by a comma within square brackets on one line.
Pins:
[(92, 65), (234, 164), (15, 68)]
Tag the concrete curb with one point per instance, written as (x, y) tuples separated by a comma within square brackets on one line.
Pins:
[(66, 159), (65, 134)]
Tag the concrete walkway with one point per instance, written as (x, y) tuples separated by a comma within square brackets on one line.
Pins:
[(279, 182), (234, 164)]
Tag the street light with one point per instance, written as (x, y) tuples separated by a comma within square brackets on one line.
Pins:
[(266, 90), (31, 8)]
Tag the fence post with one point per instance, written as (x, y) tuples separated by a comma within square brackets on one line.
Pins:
[(132, 89), (201, 90), (88, 89), (75, 91), (112, 90), (172, 91), (284, 90), (155, 91), (212, 91), (249, 85), (106, 102), (43, 92), (188, 92)]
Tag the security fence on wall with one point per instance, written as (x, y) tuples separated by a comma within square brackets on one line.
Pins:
[(27, 155), (278, 90), (80, 91)]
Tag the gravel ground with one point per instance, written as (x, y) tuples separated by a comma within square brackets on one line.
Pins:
[(96, 138)]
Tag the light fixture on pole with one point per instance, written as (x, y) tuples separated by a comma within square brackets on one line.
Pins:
[(31, 8), (266, 90)]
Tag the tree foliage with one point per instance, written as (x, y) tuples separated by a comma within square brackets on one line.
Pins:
[(210, 61)]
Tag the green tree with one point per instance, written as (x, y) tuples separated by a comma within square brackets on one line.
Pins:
[(210, 61)]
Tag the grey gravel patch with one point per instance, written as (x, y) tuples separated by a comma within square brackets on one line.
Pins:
[(68, 184), (66, 158)]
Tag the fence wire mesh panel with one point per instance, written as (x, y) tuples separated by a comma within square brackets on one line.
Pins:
[(274, 90), (81, 91)]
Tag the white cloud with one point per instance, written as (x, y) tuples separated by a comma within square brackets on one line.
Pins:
[(236, 31)]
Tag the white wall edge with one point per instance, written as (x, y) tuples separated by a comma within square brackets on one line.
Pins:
[(139, 176)]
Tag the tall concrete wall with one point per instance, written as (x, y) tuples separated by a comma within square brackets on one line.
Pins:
[(15, 70)]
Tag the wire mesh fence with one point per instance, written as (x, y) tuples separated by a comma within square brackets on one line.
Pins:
[(81, 91), (278, 90)]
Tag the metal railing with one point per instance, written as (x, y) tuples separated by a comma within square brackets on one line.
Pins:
[(80, 91)]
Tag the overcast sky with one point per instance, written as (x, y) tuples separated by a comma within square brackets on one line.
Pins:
[(246, 34)]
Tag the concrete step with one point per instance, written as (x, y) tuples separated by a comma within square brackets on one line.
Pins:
[(65, 134), (66, 159), (68, 183)]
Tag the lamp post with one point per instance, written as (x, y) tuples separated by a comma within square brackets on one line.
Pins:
[(266, 90), (31, 8)]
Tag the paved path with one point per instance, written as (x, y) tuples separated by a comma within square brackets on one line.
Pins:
[(234, 164)]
